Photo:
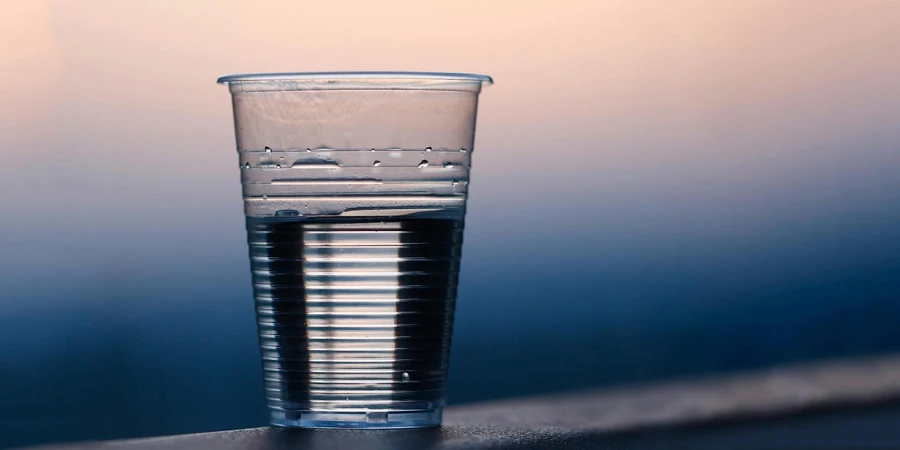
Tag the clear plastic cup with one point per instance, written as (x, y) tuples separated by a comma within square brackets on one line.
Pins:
[(354, 190)]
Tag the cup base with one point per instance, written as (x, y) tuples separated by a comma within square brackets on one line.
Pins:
[(371, 420)]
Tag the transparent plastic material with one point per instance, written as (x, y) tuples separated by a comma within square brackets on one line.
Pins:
[(354, 189)]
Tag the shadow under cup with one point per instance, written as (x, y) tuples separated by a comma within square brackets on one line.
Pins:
[(354, 189)]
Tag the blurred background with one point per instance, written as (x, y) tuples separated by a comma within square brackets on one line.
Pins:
[(660, 189)]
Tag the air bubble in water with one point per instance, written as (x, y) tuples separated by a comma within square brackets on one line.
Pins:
[(376, 163), (424, 163), (405, 377), (448, 165), (268, 150)]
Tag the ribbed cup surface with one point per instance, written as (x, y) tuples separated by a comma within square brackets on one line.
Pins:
[(354, 189)]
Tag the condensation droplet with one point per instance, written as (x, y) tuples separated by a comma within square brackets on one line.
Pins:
[(427, 149), (424, 163), (277, 166), (462, 150), (308, 149), (265, 197), (448, 165), (281, 158), (376, 163), (247, 166), (405, 377), (268, 150), (373, 149), (455, 183)]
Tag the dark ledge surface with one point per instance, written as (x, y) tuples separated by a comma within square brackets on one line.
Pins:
[(836, 404)]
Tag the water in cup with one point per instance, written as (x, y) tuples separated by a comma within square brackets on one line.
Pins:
[(355, 314)]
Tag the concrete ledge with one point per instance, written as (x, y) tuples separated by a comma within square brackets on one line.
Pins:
[(679, 414)]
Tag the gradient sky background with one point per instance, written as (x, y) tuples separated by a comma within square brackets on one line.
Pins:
[(660, 189)]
